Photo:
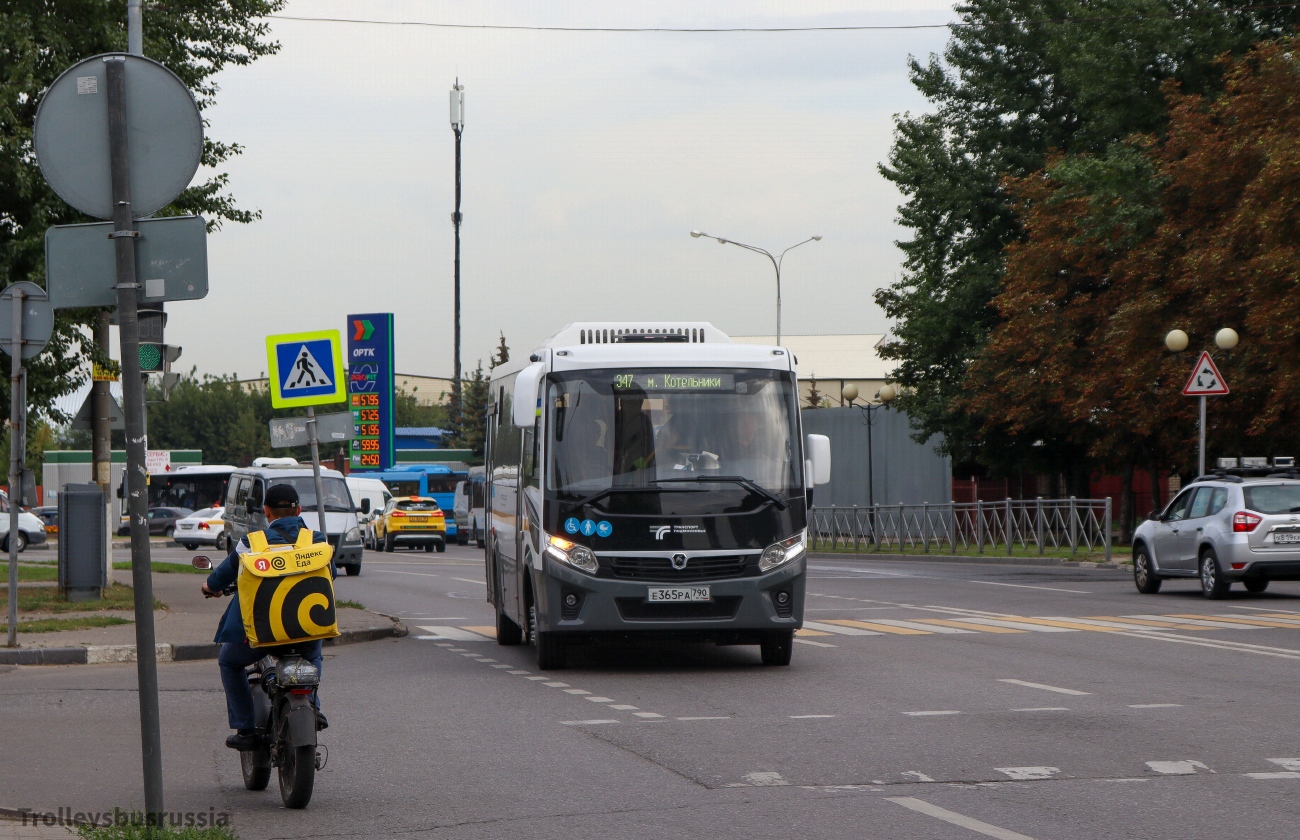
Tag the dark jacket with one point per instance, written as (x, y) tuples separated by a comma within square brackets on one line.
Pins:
[(283, 530)]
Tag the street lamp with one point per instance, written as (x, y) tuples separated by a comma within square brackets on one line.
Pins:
[(1225, 339), (776, 263), (886, 395), (457, 125)]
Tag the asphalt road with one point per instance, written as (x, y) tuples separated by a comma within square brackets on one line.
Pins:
[(926, 700)]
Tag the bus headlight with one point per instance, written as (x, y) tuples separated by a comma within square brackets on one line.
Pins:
[(577, 556), (783, 552)]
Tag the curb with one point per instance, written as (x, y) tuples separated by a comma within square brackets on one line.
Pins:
[(991, 560), (101, 654)]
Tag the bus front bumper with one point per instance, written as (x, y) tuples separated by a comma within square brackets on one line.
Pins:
[(737, 607)]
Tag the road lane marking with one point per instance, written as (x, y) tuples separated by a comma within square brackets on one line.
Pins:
[(521, 673), (839, 631), (1026, 586), (482, 629), (1159, 623), (395, 572), (643, 714), (578, 691), (1057, 689), (469, 580), (1288, 763), (1065, 623), (500, 666), (1220, 644), (706, 717), (916, 625), (1155, 705), (601, 699), (556, 684), (1217, 625), (1229, 621), (586, 722), (1267, 610), (454, 634), (536, 678), (1177, 768), (1110, 625), (765, 779), (1028, 774), (982, 628), (954, 818), (1288, 620), (1043, 709), (623, 707), (804, 631), (932, 714), (814, 644), (1275, 775), (853, 627), (1018, 625), (809, 717), (916, 774)]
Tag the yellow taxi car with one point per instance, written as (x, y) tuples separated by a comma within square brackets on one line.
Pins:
[(414, 521)]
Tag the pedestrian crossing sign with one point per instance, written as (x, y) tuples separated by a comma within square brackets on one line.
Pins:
[(306, 369)]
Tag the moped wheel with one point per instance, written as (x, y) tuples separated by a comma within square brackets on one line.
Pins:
[(297, 771), (256, 766)]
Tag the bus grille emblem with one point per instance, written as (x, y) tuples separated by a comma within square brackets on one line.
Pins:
[(679, 561)]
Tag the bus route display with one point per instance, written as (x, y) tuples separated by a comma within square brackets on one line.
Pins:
[(370, 390), (674, 381)]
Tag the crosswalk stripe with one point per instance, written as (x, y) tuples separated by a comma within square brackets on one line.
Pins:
[(484, 630), (1067, 623), (1019, 625), (839, 631), (982, 628), (1104, 625), (881, 628), (1187, 619), (1285, 618), (806, 632), (1165, 624), (1254, 622)]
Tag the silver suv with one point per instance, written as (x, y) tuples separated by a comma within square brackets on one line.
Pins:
[(1223, 529)]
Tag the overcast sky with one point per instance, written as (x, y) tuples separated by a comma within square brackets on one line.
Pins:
[(587, 159)]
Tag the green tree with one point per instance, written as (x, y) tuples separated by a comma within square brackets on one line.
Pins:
[(409, 411), (196, 39), (476, 393), (1019, 80)]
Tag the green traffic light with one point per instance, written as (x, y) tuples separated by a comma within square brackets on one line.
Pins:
[(150, 357)]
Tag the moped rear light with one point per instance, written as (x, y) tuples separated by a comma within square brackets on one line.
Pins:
[(1245, 521), (301, 690)]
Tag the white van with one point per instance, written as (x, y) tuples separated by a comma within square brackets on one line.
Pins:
[(377, 493)]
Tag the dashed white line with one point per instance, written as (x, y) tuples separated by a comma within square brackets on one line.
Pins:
[(500, 666), (601, 699), (706, 717), (1043, 709), (814, 644), (1026, 586), (988, 830), (534, 679), (1177, 768), (932, 714), (1288, 763), (586, 722), (643, 714), (468, 580), (576, 691), (555, 684), (1028, 774), (623, 707), (520, 673), (1284, 774), (809, 717), (1155, 705), (1047, 687)]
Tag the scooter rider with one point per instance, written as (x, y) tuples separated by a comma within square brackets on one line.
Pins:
[(284, 515)]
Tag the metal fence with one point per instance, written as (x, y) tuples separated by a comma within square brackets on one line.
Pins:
[(996, 527)]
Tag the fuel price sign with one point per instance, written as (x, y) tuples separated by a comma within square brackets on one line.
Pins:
[(370, 390)]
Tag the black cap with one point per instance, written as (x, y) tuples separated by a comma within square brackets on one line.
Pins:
[(281, 496)]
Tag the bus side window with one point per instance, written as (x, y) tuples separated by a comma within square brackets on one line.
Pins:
[(532, 471)]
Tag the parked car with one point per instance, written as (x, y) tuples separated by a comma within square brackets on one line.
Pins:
[(205, 527), (412, 520), (31, 530), (49, 514), (162, 521), (1223, 529)]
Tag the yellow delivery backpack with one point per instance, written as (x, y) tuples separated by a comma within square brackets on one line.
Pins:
[(286, 592)]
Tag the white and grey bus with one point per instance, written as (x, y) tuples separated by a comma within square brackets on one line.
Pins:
[(649, 480)]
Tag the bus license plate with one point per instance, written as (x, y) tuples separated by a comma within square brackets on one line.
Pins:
[(678, 593)]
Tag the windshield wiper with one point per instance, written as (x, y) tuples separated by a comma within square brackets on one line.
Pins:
[(608, 491), (747, 483)]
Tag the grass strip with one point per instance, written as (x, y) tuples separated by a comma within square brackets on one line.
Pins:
[(120, 824), (47, 599), (26, 573), (162, 567), (55, 625), (346, 604)]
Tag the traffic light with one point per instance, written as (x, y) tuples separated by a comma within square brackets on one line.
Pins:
[(155, 357)]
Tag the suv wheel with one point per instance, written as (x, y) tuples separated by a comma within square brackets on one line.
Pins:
[(1144, 577), (1213, 585)]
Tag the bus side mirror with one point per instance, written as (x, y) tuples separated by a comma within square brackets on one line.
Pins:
[(365, 506), (818, 448), (527, 404)]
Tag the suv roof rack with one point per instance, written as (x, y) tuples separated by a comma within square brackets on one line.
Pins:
[(1218, 475)]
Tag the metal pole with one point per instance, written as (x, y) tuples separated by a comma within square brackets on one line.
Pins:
[(871, 471), (1106, 529), (979, 524), (1008, 526), (1074, 526), (133, 409), (1202, 435), (315, 468), (16, 407), (102, 442), (134, 27), (456, 218), (1038, 524)]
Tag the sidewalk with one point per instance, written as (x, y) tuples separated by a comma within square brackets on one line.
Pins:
[(13, 828), (183, 631)]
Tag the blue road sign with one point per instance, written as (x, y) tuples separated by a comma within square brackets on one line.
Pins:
[(305, 368)]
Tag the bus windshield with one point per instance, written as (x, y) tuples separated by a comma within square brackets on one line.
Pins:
[(644, 429)]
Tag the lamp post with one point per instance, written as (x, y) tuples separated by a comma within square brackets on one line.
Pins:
[(886, 395), (1225, 339), (776, 263), (457, 125)]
